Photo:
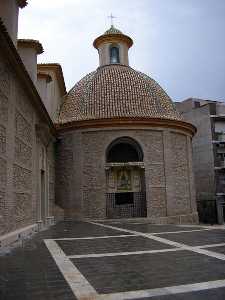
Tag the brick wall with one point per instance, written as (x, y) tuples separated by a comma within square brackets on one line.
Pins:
[(168, 172)]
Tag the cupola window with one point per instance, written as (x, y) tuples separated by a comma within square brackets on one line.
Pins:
[(114, 55)]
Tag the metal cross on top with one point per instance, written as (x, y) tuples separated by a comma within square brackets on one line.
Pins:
[(111, 17)]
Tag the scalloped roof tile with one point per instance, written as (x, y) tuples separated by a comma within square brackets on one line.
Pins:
[(114, 91), (113, 30)]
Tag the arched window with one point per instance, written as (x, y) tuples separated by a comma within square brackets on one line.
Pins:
[(114, 55), (123, 150)]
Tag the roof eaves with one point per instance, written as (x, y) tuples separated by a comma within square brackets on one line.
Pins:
[(56, 67), (31, 43), (44, 75), (7, 46), (22, 3)]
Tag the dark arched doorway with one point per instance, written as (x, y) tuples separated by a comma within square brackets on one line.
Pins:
[(125, 196), (124, 150)]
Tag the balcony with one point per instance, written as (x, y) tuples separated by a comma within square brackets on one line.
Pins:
[(219, 137), (220, 164), (220, 188)]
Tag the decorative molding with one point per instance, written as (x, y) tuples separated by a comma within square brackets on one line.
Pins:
[(45, 76), (57, 69), (112, 38), (22, 3), (29, 43), (126, 121)]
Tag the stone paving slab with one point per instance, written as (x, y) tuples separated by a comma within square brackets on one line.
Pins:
[(220, 249), (33, 272), (149, 271), (198, 238), (119, 244), (150, 228), (77, 230), (32, 275), (212, 294)]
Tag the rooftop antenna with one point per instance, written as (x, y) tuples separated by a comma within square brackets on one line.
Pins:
[(111, 17)]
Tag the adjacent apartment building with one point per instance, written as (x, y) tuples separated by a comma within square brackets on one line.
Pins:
[(208, 155)]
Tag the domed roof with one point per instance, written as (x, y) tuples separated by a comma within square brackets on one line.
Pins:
[(114, 91), (113, 30)]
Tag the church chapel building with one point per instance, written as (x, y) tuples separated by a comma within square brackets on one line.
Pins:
[(114, 146), (123, 149)]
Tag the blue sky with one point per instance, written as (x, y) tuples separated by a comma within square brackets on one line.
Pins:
[(179, 43)]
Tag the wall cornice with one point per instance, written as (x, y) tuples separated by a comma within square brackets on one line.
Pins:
[(128, 122), (29, 43), (112, 38), (57, 69), (22, 3)]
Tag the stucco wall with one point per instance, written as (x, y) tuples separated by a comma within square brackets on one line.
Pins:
[(203, 156), (168, 172), (9, 11), (51, 94), (29, 58), (104, 53)]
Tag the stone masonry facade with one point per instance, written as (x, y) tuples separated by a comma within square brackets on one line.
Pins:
[(20, 198), (55, 167), (168, 173)]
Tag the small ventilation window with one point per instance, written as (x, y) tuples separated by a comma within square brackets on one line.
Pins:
[(114, 55)]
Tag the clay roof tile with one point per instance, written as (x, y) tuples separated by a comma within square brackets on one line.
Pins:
[(117, 91)]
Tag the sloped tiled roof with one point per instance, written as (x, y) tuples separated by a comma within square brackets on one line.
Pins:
[(114, 91), (112, 34)]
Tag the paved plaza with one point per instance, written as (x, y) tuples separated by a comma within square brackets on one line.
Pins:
[(116, 260)]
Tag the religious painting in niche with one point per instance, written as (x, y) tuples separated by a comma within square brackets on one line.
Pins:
[(124, 180)]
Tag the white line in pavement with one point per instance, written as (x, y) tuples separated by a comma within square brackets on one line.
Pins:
[(170, 290), (95, 237), (82, 289), (211, 245), (181, 231), (125, 253), (207, 252), (168, 242), (146, 235), (127, 235), (77, 282), (222, 227)]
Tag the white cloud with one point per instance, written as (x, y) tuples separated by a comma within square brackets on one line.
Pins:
[(168, 37)]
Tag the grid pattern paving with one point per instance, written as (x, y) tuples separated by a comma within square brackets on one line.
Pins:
[(120, 259), (143, 261)]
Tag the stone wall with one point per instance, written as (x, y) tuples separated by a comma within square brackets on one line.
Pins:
[(53, 210), (19, 194), (5, 85), (168, 172)]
